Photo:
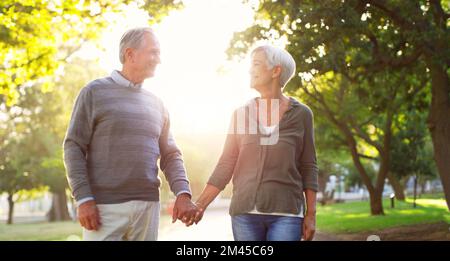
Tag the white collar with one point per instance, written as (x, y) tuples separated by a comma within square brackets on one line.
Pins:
[(122, 81)]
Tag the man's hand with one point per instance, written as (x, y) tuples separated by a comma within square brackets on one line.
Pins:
[(88, 215), (309, 227), (184, 209), (196, 217)]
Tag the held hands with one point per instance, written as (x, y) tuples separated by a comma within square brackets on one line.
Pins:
[(186, 211), (200, 211)]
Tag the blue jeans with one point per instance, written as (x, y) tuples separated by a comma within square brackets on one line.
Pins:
[(256, 227)]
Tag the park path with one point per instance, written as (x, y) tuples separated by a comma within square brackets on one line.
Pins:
[(215, 226)]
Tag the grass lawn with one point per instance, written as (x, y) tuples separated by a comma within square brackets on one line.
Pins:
[(355, 216), (41, 231), (44, 231)]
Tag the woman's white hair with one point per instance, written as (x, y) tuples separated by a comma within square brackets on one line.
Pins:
[(132, 39), (276, 56)]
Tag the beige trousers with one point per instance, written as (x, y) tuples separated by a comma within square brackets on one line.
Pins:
[(129, 221)]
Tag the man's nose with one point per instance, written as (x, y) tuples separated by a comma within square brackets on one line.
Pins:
[(156, 59)]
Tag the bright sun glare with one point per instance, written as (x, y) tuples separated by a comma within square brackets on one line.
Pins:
[(195, 80)]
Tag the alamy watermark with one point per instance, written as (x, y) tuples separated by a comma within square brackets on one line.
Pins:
[(252, 119)]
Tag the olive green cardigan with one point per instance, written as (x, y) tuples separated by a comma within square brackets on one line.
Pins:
[(270, 177)]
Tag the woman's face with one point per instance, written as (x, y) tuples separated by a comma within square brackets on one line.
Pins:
[(260, 74)]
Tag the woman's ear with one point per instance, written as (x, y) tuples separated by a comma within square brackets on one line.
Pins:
[(276, 71)]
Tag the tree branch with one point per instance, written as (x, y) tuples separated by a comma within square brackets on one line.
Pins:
[(28, 62), (363, 135), (406, 60), (440, 17), (393, 14), (367, 157), (383, 61)]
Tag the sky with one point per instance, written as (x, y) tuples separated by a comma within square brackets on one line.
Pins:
[(196, 82)]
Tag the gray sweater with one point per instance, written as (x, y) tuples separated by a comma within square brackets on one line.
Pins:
[(116, 135)]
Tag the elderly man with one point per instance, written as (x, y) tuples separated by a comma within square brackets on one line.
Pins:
[(116, 134)]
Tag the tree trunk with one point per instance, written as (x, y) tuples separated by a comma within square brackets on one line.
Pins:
[(441, 145), (422, 187), (439, 122), (10, 209), (383, 172), (376, 196), (376, 202), (322, 180), (397, 186), (59, 210)]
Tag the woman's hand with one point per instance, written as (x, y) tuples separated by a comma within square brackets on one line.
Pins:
[(200, 211), (309, 227)]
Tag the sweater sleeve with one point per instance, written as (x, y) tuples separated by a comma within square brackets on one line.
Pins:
[(76, 144), (308, 161)]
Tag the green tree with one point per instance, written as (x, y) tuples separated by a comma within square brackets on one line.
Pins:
[(16, 167), (363, 114), (411, 149), (331, 154), (36, 37)]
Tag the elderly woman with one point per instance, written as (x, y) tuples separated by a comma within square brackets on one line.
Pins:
[(272, 178)]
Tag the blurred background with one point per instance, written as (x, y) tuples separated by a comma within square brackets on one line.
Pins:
[(375, 73)]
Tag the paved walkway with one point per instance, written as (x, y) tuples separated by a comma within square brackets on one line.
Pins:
[(215, 226)]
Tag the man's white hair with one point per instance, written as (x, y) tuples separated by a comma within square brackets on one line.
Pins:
[(132, 39), (276, 56)]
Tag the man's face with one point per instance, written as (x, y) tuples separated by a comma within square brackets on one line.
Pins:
[(147, 56), (260, 74)]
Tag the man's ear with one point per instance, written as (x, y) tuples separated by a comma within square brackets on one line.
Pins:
[(129, 55)]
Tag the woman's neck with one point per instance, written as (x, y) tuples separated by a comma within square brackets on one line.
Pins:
[(274, 95), (274, 100), (272, 92)]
